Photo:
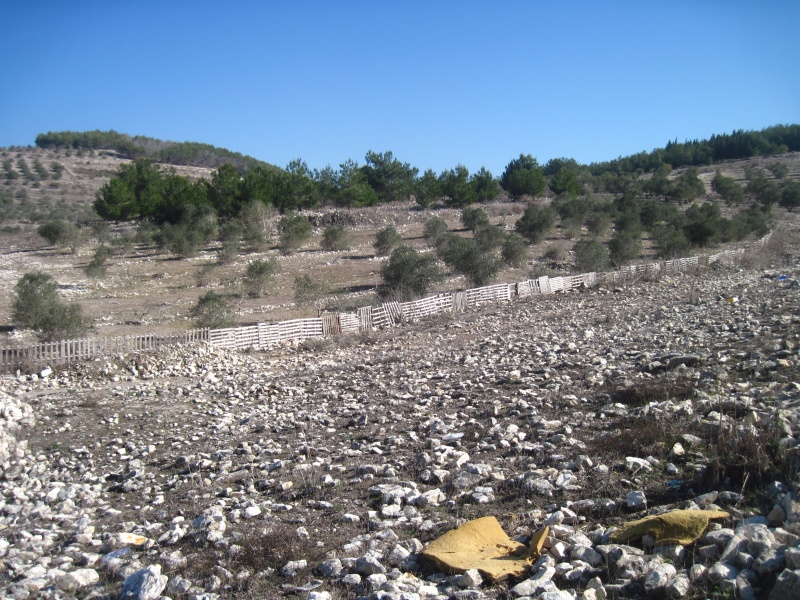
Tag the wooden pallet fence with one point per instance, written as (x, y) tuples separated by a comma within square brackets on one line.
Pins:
[(364, 319), (386, 315), (330, 324), (426, 307), (556, 284), (459, 301), (300, 329), (268, 334), (527, 288), (349, 322), (67, 351), (394, 312), (380, 317), (365, 322), (490, 293)]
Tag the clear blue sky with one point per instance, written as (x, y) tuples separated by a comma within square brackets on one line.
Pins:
[(436, 82)]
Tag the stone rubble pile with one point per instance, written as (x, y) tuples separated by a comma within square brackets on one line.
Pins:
[(323, 470)]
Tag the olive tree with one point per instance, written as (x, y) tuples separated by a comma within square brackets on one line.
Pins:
[(36, 305)]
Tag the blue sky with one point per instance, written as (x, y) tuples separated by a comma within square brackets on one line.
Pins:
[(437, 83)]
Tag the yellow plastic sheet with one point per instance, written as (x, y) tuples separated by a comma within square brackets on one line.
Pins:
[(672, 528), (482, 544)]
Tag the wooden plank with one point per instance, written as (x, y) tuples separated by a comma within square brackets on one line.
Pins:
[(365, 321), (380, 317), (349, 322), (544, 285), (459, 301), (331, 324)]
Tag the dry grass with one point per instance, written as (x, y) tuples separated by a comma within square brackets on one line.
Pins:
[(746, 461)]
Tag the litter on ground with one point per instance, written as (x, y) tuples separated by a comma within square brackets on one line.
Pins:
[(675, 527), (482, 544)]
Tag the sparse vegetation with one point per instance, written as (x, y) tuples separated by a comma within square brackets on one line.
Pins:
[(258, 276), (434, 228), (515, 250), (308, 292), (387, 240), (408, 274), (96, 268), (473, 217), (36, 305), (213, 311), (294, 229), (335, 238), (591, 255), (536, 223)]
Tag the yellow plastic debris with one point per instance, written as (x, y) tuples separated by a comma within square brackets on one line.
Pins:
[(482, 544), (675, 527)]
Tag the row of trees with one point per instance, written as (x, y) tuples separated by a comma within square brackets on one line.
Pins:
[(383, 178), (143, 190), (738, 144)]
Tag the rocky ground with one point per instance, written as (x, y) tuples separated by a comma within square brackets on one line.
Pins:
[(322, 470)]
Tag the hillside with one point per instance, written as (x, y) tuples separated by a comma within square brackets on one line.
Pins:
[(145, 289), (67, 190), (323, 471)]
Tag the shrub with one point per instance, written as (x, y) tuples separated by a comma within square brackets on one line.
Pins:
[(294, 230), (473, 217), (53, 232), (573, 208), (435, 227), (654, 212), (228, 252), (179, 240), (671, 242), (572, 227), (335, 238), (790, 195), (101, 232), (258, 222), (598, 222), (36, 305), (764, 190), (212, 311), (702, 226), (387, 240), (146, 233), (60, 233), (727, 188), (408, 274), (230, 234), (488, 237), (123, 244), (479, 267), (258, 275), (629, 221), (590, 255), (450, 247), (759, 219), (778, 169), (624, 247), (308, 292), (515, 250), (535, 223), (205, 274), (97, 266)]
